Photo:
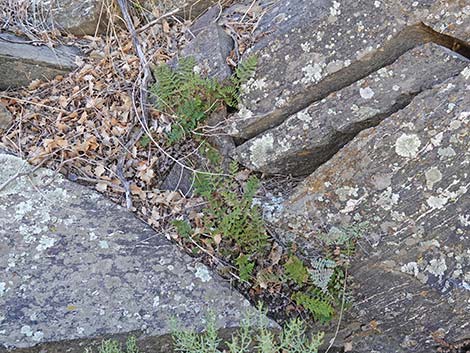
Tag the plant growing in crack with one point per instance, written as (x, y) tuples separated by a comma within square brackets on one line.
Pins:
[(189, 98)]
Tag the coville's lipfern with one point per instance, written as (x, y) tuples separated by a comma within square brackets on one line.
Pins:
[(184, 94)]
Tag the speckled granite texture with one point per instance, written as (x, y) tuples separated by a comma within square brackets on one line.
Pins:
[(73, 265)]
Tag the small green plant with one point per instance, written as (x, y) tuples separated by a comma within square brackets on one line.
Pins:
[(245, 267), (254, 336), (191, 98), (318, 304), (231, 222), (113, 346), (295, 270), (230, 213)]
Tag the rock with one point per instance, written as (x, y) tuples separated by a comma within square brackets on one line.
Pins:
[(408, 179), (5, 117), (210, 48), (205, 20), (312, 136), (179, 179), (307, 52), (22, 63), (78, 17), (74, 265), (189, 9)]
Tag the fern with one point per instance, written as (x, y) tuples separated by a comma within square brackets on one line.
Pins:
[(341, 236), (182, 227), (183, 93), (232, 216), (296, 270), (245, 70), (321, 273), (318, 305)]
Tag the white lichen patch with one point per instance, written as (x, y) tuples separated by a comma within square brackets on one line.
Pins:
[(345, 192), (3, 287), (305, 47), (437, 202), (446, 152), (464, 220), (334, 10), (26, 330), (203, 273), (156, 301), (410, 268), (366, 93), (437, 140), (45, 243), (437, 267), (433, 176), (466, 73), (304, 116), (312, 73), (254, 85), (244, 113), (388, 199), (407, 145), (260, 150), (38, 336), (103, 244), (455, 124)]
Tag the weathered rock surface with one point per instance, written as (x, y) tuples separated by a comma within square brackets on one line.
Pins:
[(312, 136), (5, 117), (189, 9), (311, 51), (83, 17), (179, 179), (22, 63), (74, 265), (210, 48), (409, 179)]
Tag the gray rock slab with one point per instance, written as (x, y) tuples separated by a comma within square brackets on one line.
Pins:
[(309, 51), (5, 117), (210, 48), (313, 135), (21, 63), (179, 179), (78, 17), (409, 179), (74, 265), (188, 9)]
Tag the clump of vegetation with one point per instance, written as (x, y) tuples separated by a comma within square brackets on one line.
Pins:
[(113, 346), (230, 227), (190, 98), (253, 336), (322, 283), (230, 222)]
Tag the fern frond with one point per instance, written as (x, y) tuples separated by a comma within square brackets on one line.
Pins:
[(320, 308), (321, 272), (245, 70)]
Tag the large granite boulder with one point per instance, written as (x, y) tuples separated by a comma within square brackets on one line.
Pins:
[(409, 179), (74, 265), (21, 62), (310, 137), (309, 51)]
